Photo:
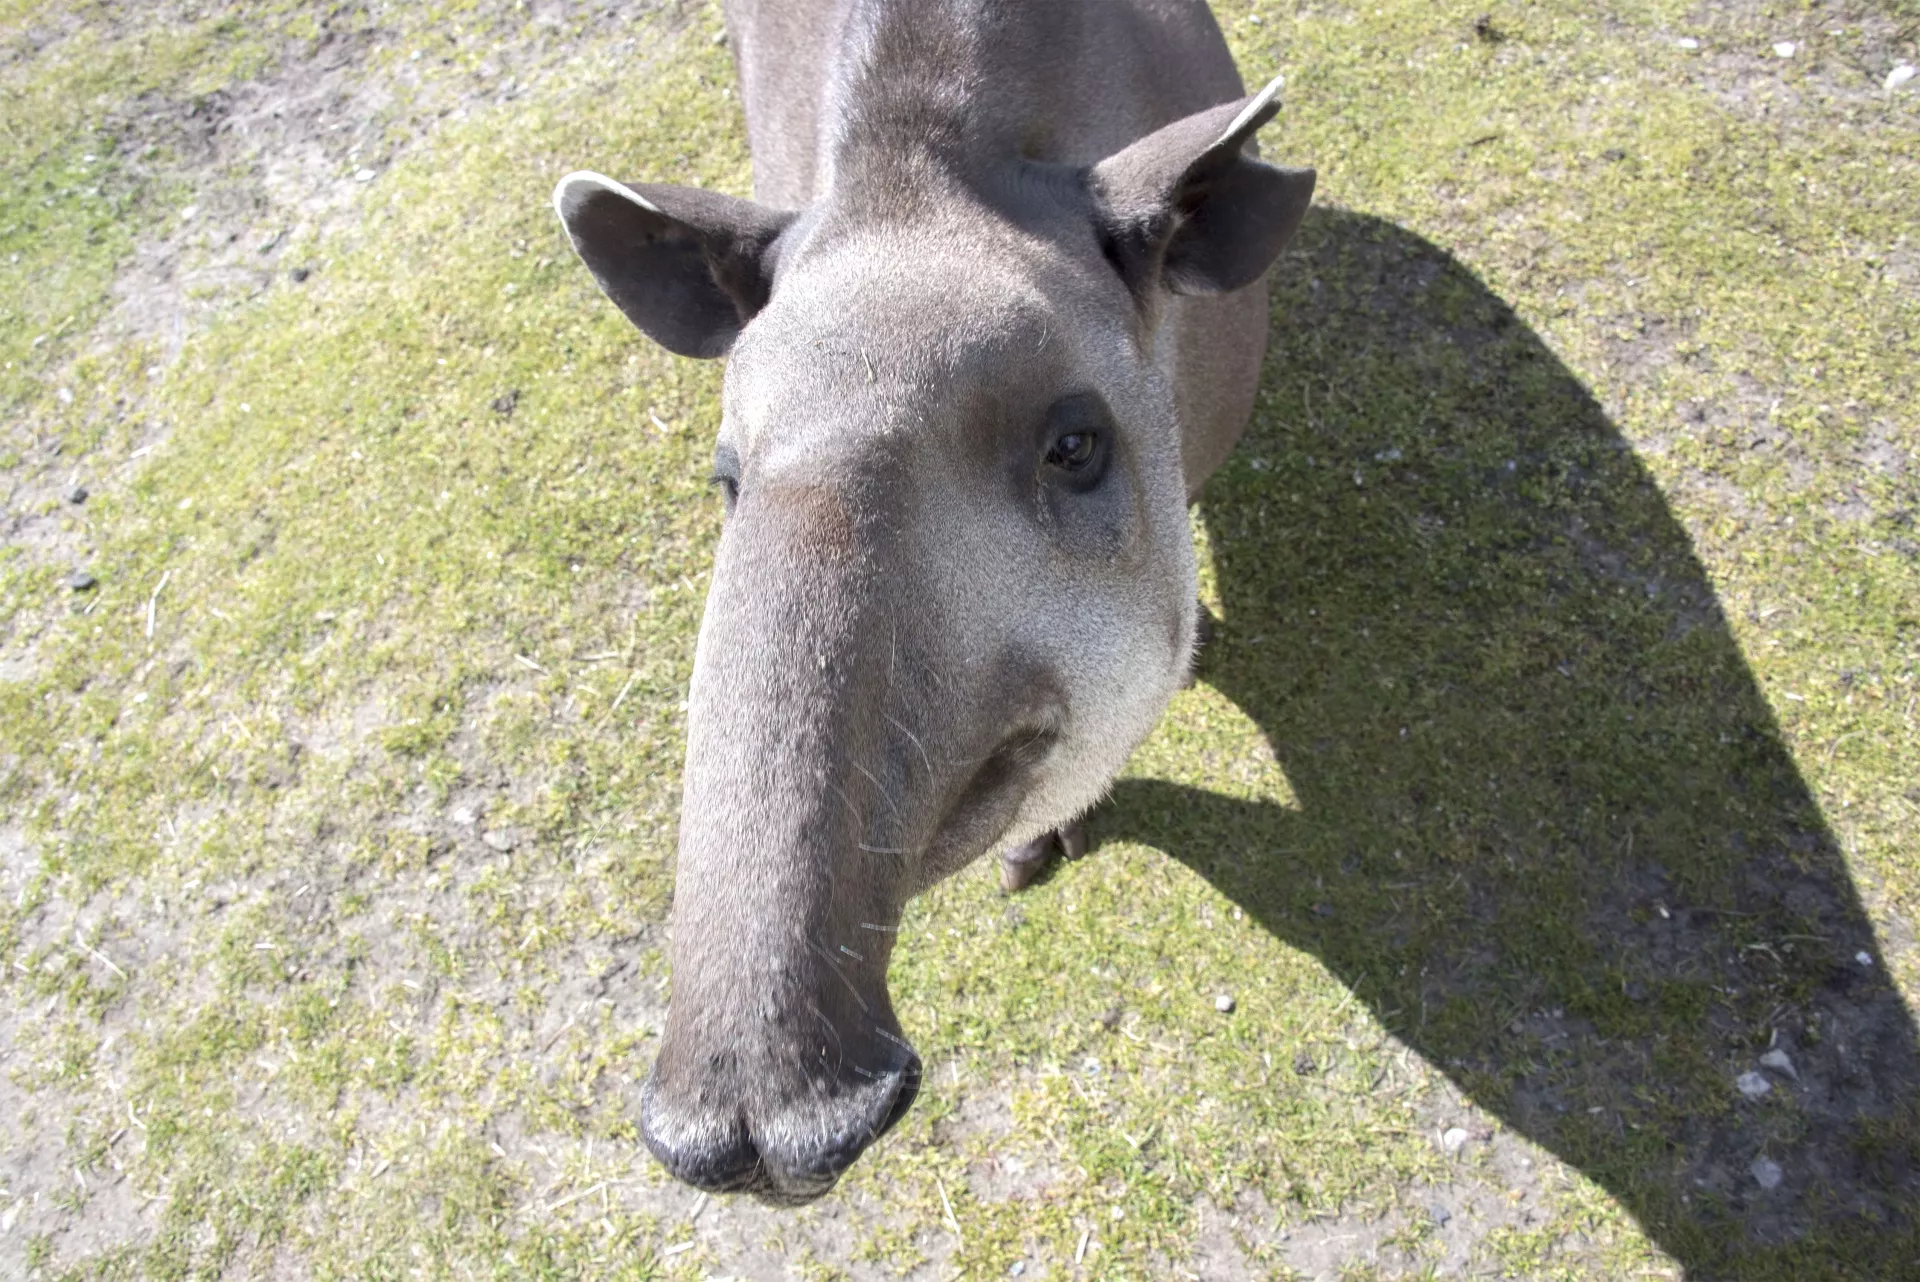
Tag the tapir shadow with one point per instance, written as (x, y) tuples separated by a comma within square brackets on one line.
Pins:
[(1545, 825)]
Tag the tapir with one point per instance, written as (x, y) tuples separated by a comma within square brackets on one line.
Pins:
[(994, 314)]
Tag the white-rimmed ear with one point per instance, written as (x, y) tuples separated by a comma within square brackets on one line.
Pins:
[(689, 267), (1188, 209)]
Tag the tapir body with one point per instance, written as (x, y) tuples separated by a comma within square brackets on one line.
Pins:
[(997, 312)]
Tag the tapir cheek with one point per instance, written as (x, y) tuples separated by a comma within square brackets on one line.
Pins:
[(1106, 526)]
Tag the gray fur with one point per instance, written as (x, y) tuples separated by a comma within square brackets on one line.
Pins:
[(990, 238)]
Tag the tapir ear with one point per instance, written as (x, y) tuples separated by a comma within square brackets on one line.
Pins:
[(689, 267), (1188, 210)]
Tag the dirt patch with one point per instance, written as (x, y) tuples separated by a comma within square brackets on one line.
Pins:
[(1500, 1183), (271, 163), (251, 186), (1758, 57)]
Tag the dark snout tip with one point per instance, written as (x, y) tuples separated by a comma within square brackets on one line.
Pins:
[(789, 1158), (712, 1153)]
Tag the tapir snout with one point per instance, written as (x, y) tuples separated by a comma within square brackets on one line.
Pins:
[(782, 1059), (849, 742)]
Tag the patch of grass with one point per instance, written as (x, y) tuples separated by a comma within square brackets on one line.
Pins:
[(63, 229)]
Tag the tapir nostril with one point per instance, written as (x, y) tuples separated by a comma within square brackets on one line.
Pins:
[(709, 1153), (804, 1152)]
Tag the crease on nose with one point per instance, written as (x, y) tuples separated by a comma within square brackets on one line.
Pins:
[(789, 1155)]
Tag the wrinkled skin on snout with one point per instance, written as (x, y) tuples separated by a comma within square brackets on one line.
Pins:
[(955, 586)]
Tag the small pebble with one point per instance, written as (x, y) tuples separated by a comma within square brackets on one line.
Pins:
[(1018, 1267), (1766, 1172), (501, 839), (1224, 1004), (367, 175), (81, 581), (1900, 75), (1687, 42), (1440, 1214), (1865, 958), (78, 494), (1453, 1140), (1779, 1062), (1752, 1085), (1784, 49), (463, 816)]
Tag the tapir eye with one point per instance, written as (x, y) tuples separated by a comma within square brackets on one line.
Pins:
[(726, 475), (1079, 439), (1074, 450)]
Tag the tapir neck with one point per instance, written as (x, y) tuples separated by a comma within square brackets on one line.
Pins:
[(903, 115), (851, 100)]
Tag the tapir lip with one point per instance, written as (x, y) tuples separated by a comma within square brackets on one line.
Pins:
[(1010, 769)]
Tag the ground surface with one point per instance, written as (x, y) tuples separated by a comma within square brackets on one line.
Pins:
[(1555, 762)]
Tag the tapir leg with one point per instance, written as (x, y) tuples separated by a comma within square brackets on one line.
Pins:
[(1203, 626), (1022, 865)]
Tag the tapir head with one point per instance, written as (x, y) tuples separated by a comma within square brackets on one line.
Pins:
[(954, 589)]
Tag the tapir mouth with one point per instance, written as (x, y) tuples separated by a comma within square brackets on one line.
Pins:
[(1004, 776)]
